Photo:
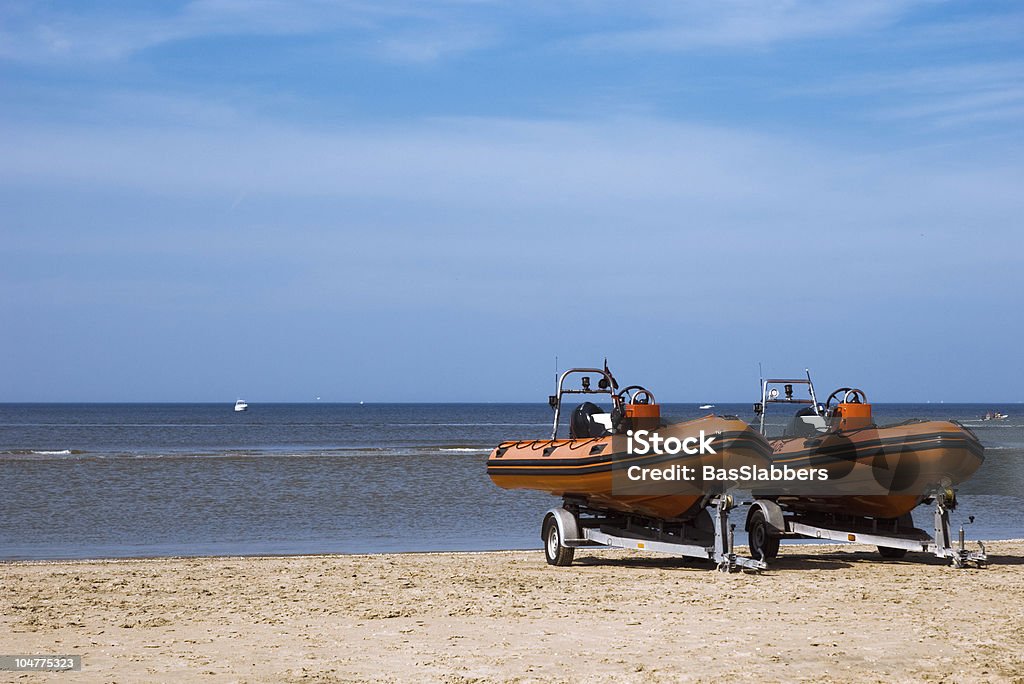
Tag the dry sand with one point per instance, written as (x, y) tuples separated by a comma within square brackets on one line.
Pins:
[(832, 613)]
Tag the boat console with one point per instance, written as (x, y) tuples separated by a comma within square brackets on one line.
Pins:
[(633, 407), (845, 409)]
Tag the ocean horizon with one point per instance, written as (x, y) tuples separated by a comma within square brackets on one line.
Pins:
[(98, 480)]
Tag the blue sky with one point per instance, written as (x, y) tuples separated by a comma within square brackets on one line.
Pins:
[(417, 201)]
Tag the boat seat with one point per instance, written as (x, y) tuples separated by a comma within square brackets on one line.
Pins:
[(806, 423), (817, 422)]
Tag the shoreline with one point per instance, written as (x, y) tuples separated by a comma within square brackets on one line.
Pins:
[(823, 611), (331, 554)]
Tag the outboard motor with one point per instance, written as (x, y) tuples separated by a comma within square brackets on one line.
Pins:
[(586, 421)]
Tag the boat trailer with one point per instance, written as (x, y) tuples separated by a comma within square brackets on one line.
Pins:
[(892, 537), (709, 536)]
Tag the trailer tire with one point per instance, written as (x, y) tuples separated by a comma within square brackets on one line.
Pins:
[(889, 552), (764, 544), (555, 552)]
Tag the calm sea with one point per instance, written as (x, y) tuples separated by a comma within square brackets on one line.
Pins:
[(110, 480)]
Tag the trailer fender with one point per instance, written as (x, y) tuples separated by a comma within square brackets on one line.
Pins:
[(772, 515), (568, 529)]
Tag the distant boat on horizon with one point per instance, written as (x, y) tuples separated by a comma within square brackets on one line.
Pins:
[(707, 406), (240, 405)]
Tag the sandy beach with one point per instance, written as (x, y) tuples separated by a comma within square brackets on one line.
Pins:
[(823, 613)]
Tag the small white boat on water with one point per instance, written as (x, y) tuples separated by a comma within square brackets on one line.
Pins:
[(995, 415), (707, 406), (240, 405)]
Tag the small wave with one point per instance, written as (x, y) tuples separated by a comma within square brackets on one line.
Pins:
[(548, 424), (42, 452), (397, 451)]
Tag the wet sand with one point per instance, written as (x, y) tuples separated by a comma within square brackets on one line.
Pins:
[(832, 613)]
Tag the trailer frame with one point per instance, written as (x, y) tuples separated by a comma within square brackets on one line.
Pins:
[(708, 536), (787, 524)]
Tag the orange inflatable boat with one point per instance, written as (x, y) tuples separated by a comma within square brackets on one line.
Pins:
[(600, 466), (875, 475), (878, 471)]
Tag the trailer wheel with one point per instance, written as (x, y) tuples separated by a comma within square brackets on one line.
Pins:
[(554, 551), (764, 544), (889, 552)]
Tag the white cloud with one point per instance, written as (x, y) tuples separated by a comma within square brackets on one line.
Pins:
[(423, 35), (963, 110), (425, 31), (451, 159), (941, 96), (988, 30), (947, 78), (661, 172), (747, 23), (419, 46)]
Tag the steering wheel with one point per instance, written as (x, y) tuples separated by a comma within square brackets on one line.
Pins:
[(851, 395), (642, 395)]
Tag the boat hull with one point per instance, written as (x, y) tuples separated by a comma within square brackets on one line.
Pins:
[(880, 472), (594, 470)]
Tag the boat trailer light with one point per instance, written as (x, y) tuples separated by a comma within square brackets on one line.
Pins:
[(950, 495)]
